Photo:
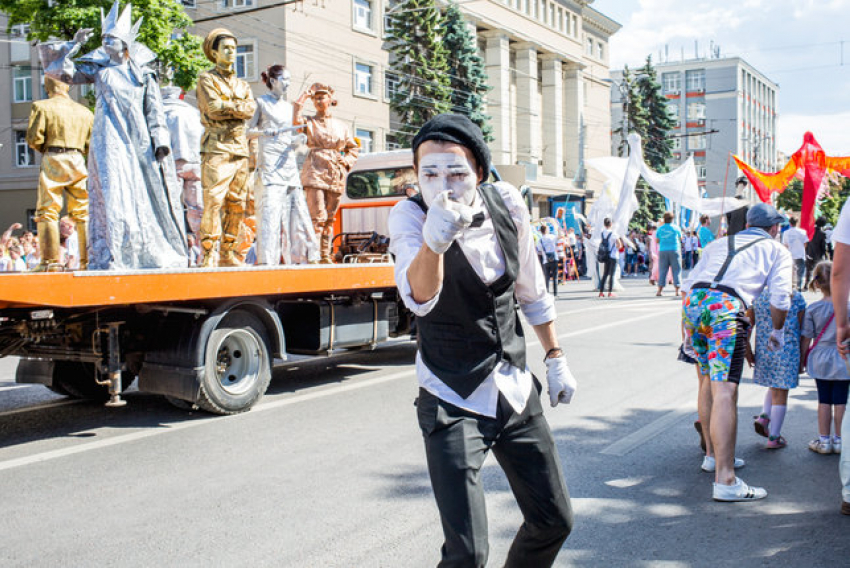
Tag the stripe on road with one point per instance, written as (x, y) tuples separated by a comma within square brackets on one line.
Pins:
[(173, 427)]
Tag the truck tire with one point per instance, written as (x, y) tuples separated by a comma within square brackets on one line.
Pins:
[(76, 379), (237, 365)]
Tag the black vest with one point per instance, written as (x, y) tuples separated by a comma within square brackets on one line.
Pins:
[(474, 326)]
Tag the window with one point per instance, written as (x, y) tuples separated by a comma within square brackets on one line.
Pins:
[(701, 171), (363, 14), (673, 111), (696, 142), (236, 3), (589, 47), (23, 84), (696, 111), (362, 79), (552, 15), (366, 138), (561, 20), (677, 143), (672, 82), (379, 183), (24, 155), (391, 84), (600, 50), (695, 80), (246, 60), (575, 25), (19, 49), (188, 3)]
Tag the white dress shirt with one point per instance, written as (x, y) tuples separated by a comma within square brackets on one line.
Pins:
[(841, 233), (765, 263), (795, 239), (480, 247)]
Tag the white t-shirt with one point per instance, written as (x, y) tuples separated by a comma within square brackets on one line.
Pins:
[(841, 233), (795, 239), (73, 251)]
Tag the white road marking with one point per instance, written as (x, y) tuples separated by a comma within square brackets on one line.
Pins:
[(14, 386), (41, 407), (173, 427)]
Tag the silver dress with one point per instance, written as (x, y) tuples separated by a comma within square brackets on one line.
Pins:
[(284, 229), (135, 212)]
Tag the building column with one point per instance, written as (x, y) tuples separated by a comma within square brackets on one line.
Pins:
[(528, 104), (573, 117), (498, 63), (553, 116)]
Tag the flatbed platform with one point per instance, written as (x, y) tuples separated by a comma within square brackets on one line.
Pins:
[(114, 288)]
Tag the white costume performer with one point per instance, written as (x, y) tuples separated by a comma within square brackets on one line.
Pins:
[(184, 125), (284, 228)]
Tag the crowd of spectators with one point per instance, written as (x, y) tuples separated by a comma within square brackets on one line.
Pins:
[(19, 249)]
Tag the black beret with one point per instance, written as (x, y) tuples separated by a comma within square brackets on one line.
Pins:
[(459, 129)]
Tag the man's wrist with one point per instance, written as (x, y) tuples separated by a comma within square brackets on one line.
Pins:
[(553, 353)]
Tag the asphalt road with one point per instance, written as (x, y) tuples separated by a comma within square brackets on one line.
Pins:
[(328, 470)]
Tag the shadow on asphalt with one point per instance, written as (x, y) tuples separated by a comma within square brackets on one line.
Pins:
[(153, 411)]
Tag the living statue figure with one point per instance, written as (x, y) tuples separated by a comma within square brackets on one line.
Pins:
[(184, 125), (225, 102), (135, 218), (283, 222), (333, 152), (60, 128)]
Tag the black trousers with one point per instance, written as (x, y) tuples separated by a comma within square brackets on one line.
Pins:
[(550, 269), (610, 269), (456, 444)]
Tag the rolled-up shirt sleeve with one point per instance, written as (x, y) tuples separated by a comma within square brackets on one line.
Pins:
[(779, 280), (405, 225), (537, 305)]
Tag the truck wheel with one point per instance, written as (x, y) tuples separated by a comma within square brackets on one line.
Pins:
[(76, 379), (237, 365)]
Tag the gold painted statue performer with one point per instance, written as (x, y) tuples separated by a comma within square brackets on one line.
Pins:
[(333, 152), (135, 213), (225, 102), (60, 128)]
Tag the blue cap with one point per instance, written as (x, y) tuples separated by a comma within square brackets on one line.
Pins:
[(763, 215)]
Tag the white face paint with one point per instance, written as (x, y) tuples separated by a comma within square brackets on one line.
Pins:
[(281, 84), (447, 172)]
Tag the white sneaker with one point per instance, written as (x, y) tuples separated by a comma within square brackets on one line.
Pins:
[(739, 491), (821, 447), (709, 465)]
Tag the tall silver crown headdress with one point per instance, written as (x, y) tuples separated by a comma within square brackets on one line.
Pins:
[(121, 26)]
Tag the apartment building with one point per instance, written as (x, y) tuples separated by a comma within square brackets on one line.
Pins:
[(722, 106), (547, 61)]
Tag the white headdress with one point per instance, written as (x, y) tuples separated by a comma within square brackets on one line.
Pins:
[(120, 26)]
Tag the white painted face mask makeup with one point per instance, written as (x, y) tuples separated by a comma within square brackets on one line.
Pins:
[(447, 172)]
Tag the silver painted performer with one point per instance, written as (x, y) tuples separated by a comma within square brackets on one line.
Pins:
[(284, 228), (135, 215), (184, 125)]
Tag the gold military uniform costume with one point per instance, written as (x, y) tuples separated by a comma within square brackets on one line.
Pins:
[(60, 129), (225, 102)]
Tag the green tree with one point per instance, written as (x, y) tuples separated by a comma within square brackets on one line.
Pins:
[(830, 206), (467, 76), (420, 59), (657, 147), (792, 198), (635, 117), (163, 29)]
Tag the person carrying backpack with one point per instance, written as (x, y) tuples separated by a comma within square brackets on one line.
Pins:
[(608, 254)]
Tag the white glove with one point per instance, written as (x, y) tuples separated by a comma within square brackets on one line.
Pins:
[(562, 383), (444, 223), (776, 340)]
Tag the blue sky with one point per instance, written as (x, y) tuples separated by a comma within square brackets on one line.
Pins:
[(795, 43)]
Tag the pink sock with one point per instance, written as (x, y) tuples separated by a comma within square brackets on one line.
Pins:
[(768, 402), (777, 416)]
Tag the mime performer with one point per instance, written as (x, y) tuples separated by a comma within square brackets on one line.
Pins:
[(284, 229), (464, 258), (184, 124), (60, 129), (225, 102), (333, 152)]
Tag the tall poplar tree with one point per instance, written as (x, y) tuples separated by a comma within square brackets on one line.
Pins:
[(467, 75), (420, 60)]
